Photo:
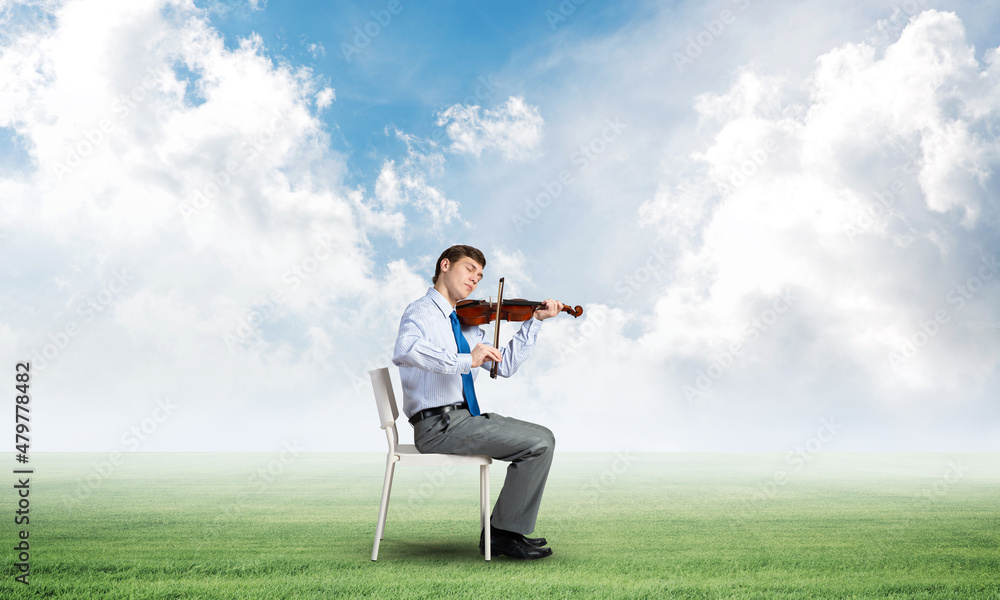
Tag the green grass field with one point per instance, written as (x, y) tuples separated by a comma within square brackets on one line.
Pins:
[(228, 526)]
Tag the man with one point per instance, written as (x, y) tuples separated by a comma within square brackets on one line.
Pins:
[(437, 362)]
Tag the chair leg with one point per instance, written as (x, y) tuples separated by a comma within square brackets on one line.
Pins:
[(388, 495), (484, 506), (383, 507)]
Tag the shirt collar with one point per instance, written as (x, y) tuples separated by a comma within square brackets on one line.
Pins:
[(440, 301)]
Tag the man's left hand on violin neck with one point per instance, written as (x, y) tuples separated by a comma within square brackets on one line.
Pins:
[(551, 309)]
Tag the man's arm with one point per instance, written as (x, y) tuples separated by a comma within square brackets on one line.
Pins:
[(516, 351), (521, 346), (413, 350)]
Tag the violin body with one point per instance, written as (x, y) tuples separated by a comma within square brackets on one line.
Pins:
[(483, 312)]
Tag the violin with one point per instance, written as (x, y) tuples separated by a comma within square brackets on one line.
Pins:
[(481, 312)]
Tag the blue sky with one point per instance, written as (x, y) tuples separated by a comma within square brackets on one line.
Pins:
[(776, 215), (420, 61)]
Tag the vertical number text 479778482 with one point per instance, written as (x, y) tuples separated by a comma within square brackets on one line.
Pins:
[(22, 442)]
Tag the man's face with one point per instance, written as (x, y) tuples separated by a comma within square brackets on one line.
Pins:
[(461, 277)]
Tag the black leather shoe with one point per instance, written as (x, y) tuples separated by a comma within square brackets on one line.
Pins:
[(509, 543), (538, 542)]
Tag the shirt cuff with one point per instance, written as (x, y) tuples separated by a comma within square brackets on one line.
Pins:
[(464, 363)]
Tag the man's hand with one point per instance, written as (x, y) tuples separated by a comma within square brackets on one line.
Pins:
[(482, 353), (551, 309)]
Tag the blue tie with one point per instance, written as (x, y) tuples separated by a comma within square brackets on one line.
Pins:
[(463, 348)]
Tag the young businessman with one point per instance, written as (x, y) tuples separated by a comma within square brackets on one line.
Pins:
[(437, 360)]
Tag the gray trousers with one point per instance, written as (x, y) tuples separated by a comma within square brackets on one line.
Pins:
[(527, 446)]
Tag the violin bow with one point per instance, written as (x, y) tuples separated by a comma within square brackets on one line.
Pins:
[(496, 331)]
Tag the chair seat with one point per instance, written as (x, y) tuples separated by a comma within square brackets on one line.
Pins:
[(409, 454)]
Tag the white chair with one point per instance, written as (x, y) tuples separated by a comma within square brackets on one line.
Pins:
[(407, 453)]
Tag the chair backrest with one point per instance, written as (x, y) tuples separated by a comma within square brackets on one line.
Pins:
[(385, 400)]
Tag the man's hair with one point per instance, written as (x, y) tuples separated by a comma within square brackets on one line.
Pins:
[(456, 253)]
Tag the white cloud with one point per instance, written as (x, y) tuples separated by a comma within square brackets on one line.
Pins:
[(409, 187), (854, 191), (781, 187), (201, 170), (325, 98), (515, 129), (317, 50), (513, 266), (393, 190), (812, 224)]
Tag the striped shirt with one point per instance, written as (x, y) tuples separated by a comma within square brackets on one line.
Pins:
[(426, 353)]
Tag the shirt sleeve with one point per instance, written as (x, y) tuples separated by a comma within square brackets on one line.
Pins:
[(517, 350), (414, 350)]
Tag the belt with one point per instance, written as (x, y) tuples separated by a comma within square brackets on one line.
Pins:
[(437, 410)]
